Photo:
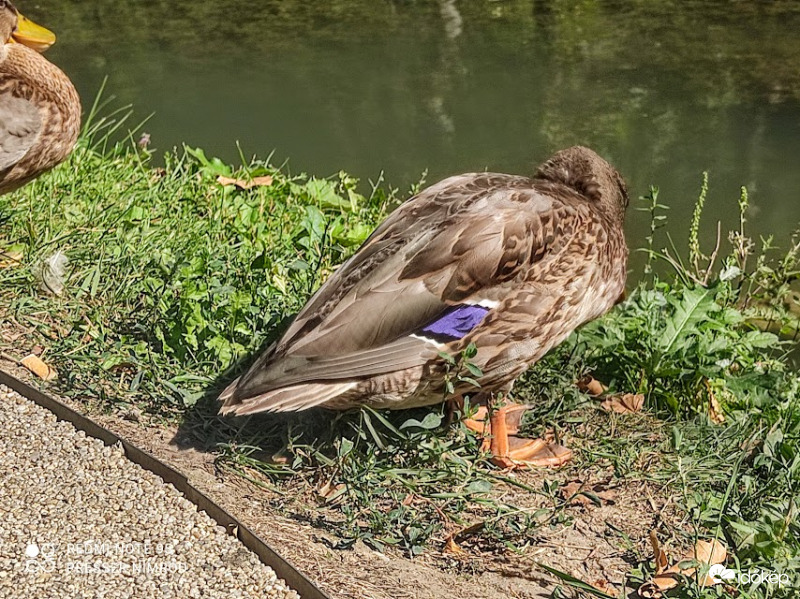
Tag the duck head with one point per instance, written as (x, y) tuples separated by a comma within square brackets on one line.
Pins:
[(584, 171), (15, 28)]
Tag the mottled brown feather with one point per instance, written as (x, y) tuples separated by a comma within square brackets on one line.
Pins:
[(547, 254)]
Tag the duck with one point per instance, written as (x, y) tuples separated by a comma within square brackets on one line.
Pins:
[(505, 265), (40, 110)]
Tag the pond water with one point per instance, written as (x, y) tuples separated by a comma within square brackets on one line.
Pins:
[(663, 89)]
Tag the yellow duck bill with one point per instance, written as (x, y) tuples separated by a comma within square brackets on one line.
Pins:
[(32, 35)]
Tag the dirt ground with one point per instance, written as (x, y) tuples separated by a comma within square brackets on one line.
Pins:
[(597, 544)]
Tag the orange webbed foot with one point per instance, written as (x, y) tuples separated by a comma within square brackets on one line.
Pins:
[(507, 449)]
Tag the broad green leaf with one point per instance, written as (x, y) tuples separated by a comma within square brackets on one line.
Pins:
[(691, 308), (479, 486), (430, 422), (474, 370), (345, 447), (761, 339), (314, 222), (209, 166), (324, 192)]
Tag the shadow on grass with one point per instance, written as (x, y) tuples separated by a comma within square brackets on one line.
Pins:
[(280, 444), (204, 429)]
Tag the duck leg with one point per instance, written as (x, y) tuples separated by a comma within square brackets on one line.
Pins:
[(507, 449), (451, 406)]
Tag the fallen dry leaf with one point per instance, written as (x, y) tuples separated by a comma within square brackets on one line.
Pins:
[(650, 590), (714, 407), (626, 403), (660, 557), (38, 367), (330, 491), (279, 458), (469, 530), (574, 493), (10, 258), (450, 546), (246, 183), (704, 553), (591, 386), (602, 585), (715, 411)]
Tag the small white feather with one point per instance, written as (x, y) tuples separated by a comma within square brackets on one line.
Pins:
[(433, 342)]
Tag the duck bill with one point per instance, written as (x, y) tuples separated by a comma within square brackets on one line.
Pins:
[(32, 35)]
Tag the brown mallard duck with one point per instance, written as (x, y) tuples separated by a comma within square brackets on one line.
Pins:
[(40, 111), (510, 264)]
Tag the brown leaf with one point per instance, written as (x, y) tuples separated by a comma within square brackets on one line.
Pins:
[(568, 493), (651, 590), (469, 530), (715, 410), (450, 546), (246, 183), (9, 258), (573, 492), (714, 407), (601, 584), (330, 491), (704, 553), (38, 367), (627, 403), (709, 553), (591, 386), (279, 458), (660, 557)]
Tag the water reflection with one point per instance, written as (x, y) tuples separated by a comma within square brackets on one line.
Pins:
[(664, 89)]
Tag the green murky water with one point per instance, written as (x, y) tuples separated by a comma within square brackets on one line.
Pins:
[(664, 89)]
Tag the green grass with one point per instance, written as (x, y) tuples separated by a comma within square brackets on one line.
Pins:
[(173, 279), (170, 271)]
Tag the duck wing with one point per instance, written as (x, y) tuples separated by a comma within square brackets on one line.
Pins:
[(460, 243), (20, 124)]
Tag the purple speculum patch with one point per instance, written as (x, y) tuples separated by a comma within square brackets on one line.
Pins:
[(455, 323)]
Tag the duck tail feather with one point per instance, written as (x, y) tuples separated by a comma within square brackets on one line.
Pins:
[(228, 392), (287, 399)]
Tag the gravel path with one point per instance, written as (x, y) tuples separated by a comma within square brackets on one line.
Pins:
[(77, 519)]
